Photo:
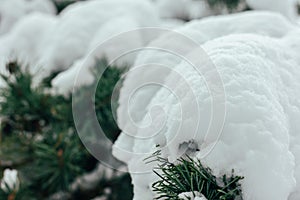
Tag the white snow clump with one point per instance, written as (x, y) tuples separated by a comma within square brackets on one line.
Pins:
[(13, 10), (258, 63)]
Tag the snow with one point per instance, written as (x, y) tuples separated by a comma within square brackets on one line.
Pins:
[(10, 181), (201, 31), (49, 43), (13, 10), (165, 103), (191, 196), (189, 9), (85, 19), (200, 198), (26, 41), (53, 43), (258, 63), (287, 7), (183, 9), (106, 40)]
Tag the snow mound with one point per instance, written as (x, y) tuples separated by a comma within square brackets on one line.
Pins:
[(258, 64), (200, 31), (54, 43), (125, 16), (26, 41), (81, 22), (13, 10)]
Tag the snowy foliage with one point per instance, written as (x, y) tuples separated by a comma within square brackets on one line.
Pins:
[(258, 63), (53, 43), (256, 55)]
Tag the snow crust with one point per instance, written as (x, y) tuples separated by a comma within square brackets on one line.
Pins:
[(258, 63)]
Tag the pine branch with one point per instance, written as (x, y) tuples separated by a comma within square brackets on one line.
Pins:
[(189, 176)]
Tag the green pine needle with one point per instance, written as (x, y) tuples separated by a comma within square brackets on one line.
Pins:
[(189, 176)]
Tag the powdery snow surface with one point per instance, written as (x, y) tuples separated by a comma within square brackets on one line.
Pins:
[(13, 10), (258, 63), (200, 31), (53, 43)]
